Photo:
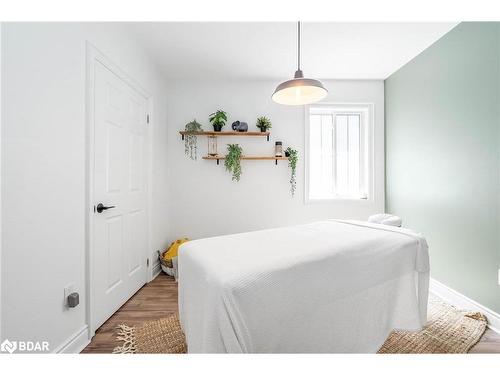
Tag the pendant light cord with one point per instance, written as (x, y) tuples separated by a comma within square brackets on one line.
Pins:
[(298, 45)]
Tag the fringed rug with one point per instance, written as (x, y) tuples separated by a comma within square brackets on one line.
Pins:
[(448, 331), (158, 336)]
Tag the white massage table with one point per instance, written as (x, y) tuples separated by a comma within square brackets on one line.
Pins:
[(330, 286)]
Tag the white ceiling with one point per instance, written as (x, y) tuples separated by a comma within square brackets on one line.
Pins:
[(259, 51)]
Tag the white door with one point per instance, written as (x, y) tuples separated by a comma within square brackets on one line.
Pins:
[(120, 233)]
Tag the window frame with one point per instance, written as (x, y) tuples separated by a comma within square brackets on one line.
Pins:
[(369, 132)]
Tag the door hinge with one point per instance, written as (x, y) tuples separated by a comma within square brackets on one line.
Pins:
[(147, 262), (147, 119)]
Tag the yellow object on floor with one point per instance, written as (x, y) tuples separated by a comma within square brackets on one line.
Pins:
[(174, 248)]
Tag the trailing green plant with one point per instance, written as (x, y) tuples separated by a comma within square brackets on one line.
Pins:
[(191, 140), (293, 157), (218, 118), (232, 161), (263, 123)]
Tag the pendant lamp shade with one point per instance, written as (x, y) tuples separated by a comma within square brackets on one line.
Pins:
[(299, 90)]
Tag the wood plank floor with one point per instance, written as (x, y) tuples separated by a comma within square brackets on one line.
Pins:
[(159, 298), (155, 300)]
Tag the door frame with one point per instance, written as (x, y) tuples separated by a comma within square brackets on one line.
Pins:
[(94, 56)]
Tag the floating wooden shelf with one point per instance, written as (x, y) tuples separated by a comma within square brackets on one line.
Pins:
[(226, 134), (275, 158)]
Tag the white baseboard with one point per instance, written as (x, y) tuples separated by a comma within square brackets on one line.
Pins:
[(464, 303), (156, 269), (76, 343)]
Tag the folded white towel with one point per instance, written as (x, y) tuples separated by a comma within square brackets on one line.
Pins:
[(386, 219)]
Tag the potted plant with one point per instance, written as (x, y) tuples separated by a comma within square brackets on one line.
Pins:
[(293, 157), (232, 161), (191, 140), (218, 120), (263, 123)]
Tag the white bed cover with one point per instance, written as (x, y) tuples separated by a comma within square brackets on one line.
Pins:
[(330, 286)]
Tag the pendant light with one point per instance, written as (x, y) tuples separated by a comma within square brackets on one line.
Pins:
[(299, 90)]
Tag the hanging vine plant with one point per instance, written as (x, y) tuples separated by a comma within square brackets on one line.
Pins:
[(293, 157), (191, 140), (232, 161)]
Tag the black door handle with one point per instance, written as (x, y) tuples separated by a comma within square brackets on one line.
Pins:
[(100, 207)]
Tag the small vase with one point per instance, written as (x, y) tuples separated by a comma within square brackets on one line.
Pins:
[(217, 128), (287, 154), (263, 130)]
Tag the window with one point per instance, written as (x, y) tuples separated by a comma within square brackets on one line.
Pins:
[(339, 152)]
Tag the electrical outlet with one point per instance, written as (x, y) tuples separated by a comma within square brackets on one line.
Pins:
[(67, 291)]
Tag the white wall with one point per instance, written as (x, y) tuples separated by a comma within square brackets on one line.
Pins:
[(43, 169), (205, 202)]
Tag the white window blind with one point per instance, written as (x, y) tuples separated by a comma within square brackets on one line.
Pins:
[(338, 152)]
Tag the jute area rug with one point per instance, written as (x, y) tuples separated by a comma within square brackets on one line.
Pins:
[(448, 331)]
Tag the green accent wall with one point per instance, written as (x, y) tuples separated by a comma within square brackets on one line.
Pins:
[(443, 156)]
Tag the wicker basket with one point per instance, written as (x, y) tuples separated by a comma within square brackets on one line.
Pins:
[(163, 262), (167, 266)]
